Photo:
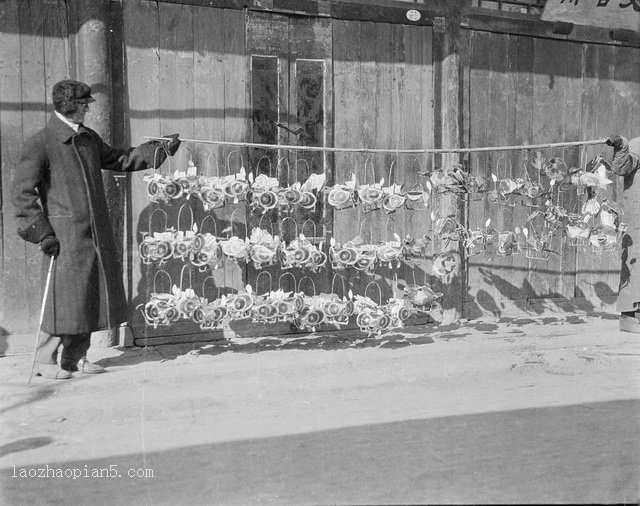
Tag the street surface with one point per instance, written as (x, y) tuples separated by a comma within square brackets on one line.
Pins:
[(540, 410)]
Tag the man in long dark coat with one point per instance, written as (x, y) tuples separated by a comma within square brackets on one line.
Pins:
[(61, 205), (626, 162)]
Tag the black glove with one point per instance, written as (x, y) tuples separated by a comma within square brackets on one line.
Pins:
[(50, 245), (615, 141), (172, 145)]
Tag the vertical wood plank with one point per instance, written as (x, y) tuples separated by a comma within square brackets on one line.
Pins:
[(347, 121), (418, 127), (626, 112), (517, 98), (479, 106), (594, 279), (13, 250), (389, 52), (33, 118), (522, 66), (143, 111), (547, 127), (209, 103), (556, 110), (175, 54), (236, 80)]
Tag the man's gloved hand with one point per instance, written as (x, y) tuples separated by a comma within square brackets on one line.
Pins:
[(172, 145), (615, 141), (50, 245)]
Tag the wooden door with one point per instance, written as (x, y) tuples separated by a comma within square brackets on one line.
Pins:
[(290, 72)]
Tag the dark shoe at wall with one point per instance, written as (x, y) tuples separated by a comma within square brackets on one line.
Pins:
[(629, 324), (51, 371)]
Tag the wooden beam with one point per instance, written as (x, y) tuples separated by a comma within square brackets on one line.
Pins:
[(448, 126), (377, 10)]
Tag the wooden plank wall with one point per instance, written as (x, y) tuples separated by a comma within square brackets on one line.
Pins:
[(383, 85), (536, 91), (34, 55), (187, 74), (188, 71)]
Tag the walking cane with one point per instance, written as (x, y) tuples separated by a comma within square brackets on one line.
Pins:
[(44, 301)]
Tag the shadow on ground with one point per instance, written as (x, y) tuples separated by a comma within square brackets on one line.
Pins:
[(584, 454), (329, 341)]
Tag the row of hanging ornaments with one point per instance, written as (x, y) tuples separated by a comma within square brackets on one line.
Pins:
[(597, 224), (205, 250), (299, 309)]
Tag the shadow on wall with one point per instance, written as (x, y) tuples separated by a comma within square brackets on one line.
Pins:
[(483, 303), (4, 341)]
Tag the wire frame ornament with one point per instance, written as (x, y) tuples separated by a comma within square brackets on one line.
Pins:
[(264, 246), (234, 247), (536, 244), (343, 195), (366, 257), (160, 187), (313, 314), (187, 302), (314, 245), (420, 297), (207, 250), (390, 252), (577, 232), (215, 313), (337, 308), (184, 243), (236, 187), (532, 189), (476, 241), (210, 192), (371, 317), (264, 309), (156, 247), (370, 194), (504, 188), (292, 303), (289, 194), (160, 310)]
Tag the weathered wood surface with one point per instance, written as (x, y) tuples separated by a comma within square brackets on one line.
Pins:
[(14, 251), (187, 75), (383, 94), (539, 91), (25, 28), (190, 71)]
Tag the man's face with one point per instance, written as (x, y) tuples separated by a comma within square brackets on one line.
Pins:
[(78, 116)]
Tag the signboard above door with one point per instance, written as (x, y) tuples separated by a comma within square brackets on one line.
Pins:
[(615, 14)]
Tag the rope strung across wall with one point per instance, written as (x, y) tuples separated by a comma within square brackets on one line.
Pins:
[(381, 150)]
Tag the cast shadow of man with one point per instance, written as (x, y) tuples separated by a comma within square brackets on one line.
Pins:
[(4, 341)]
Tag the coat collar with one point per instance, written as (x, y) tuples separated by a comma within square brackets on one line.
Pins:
[(60, 129)]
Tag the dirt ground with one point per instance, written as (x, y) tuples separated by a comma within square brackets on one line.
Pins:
[(529, 410)]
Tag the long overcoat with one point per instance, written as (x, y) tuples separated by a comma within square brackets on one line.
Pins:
[(58, 190), (626, 163)]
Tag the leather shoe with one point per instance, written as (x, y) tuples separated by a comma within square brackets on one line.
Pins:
[(84, 366), (51, 371), (629, 324)]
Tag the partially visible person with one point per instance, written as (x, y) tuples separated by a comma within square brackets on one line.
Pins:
[(626, 162), (61, 206)]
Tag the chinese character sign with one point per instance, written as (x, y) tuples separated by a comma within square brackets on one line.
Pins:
[(617, 14)]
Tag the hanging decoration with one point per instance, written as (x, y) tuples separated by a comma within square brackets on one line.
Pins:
[(594, 222)]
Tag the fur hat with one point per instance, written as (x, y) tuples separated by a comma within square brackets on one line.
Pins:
[(68, 94)]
